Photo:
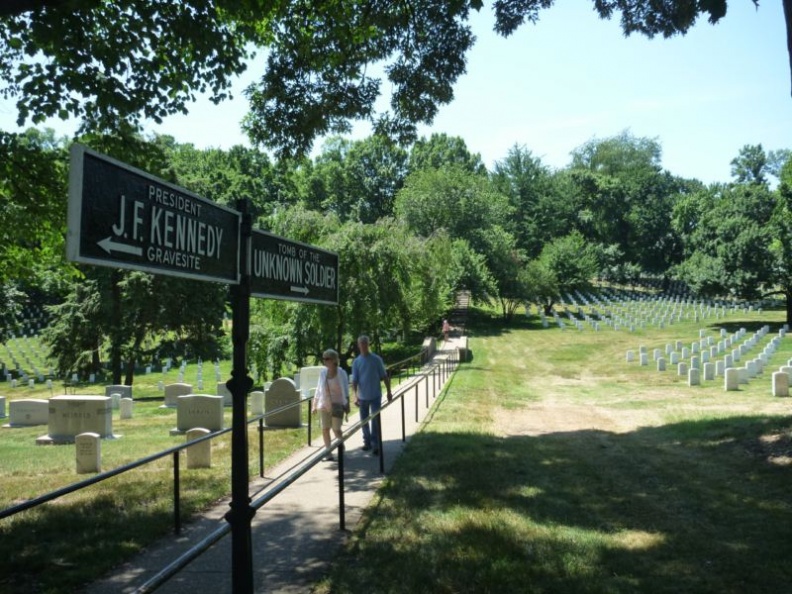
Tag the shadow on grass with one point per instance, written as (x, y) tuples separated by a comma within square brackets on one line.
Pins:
[(699, 506), (750, 326)]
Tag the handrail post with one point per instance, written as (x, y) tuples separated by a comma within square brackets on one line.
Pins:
[(403, 418), (176, 494), (310, 438), (379, 442), (341, 504), (416, 401), (261, 446)]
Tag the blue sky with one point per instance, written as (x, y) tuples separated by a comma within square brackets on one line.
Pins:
[(573, 77)]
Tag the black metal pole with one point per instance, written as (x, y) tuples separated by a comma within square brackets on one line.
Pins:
[(176, 494), (341, 504), (241, 513)]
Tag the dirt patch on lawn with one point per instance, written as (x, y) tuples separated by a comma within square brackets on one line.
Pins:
[(555, 417), (559, 417)]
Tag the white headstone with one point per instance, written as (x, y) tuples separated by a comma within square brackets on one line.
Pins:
[(2, 407), (71, 415), (199, 410), (124, 391), (173, 391), (694, 377), (222, 390), (88, 452), (780, 384), (630, 356), (682, 369), (284, 397), (126, 408), (200, 454), (26, 412), (661, 364), (709, 371), (257, 403), (309, 377)]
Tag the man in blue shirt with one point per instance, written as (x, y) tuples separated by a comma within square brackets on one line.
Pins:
[(368, 370)]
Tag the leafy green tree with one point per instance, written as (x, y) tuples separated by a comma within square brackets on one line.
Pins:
[(728, 237), (356, 180), (130, 318), (222, 176), (112, 62), (108, 62), (624, 198), (440, 151), (33, 176), (781, 244), (463, 203), (750, 166), (505, 263), (540, 211), (566, 264)]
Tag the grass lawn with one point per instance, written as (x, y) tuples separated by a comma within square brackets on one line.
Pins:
[(58, 546), (553, 465)]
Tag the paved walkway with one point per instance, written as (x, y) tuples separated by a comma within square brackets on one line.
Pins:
[(296, 534)]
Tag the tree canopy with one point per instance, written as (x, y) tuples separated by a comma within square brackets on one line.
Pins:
[(110, 63)]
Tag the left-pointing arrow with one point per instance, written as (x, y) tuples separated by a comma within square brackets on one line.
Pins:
[(110, 246)]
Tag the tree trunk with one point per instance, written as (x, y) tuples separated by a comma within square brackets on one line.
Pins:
[(115, 329), (788, 295)]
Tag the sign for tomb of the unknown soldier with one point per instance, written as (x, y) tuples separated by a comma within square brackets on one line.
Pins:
[(292, 271), (122, 217)]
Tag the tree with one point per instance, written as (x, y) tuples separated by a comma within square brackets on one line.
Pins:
[(33, 173), (624, 198), (539, 210), (781, 245), (465, 204), (114, 62), (728, 236), (750, 166), (565, 265), (440, 151), (129, 318), (356, 180)]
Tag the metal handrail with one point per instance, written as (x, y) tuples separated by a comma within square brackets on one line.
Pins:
[(288, 479)]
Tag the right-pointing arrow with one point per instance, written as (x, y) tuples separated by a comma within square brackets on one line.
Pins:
[(303, 290), (110, 246)]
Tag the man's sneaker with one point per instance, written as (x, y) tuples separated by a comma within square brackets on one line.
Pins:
[(375, 452), (366, 448), (329, 458)]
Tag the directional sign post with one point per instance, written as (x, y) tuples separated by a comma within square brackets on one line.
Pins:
[(122, 217), (293, 271)]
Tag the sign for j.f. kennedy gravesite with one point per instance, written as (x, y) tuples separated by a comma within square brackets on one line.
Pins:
[(290, 270), (122, 217)]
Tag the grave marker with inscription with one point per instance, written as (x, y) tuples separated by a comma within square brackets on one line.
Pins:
[(198, 410), (71, 415), (282, 393)]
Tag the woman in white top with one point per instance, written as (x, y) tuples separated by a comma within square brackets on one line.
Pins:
[(332, 389)]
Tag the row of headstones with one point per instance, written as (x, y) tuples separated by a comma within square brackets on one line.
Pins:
[(633, 314), (197, 415), (660, 312), (69, 415), (88, 451), (30, 352), (662, 300), (733, 375)]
